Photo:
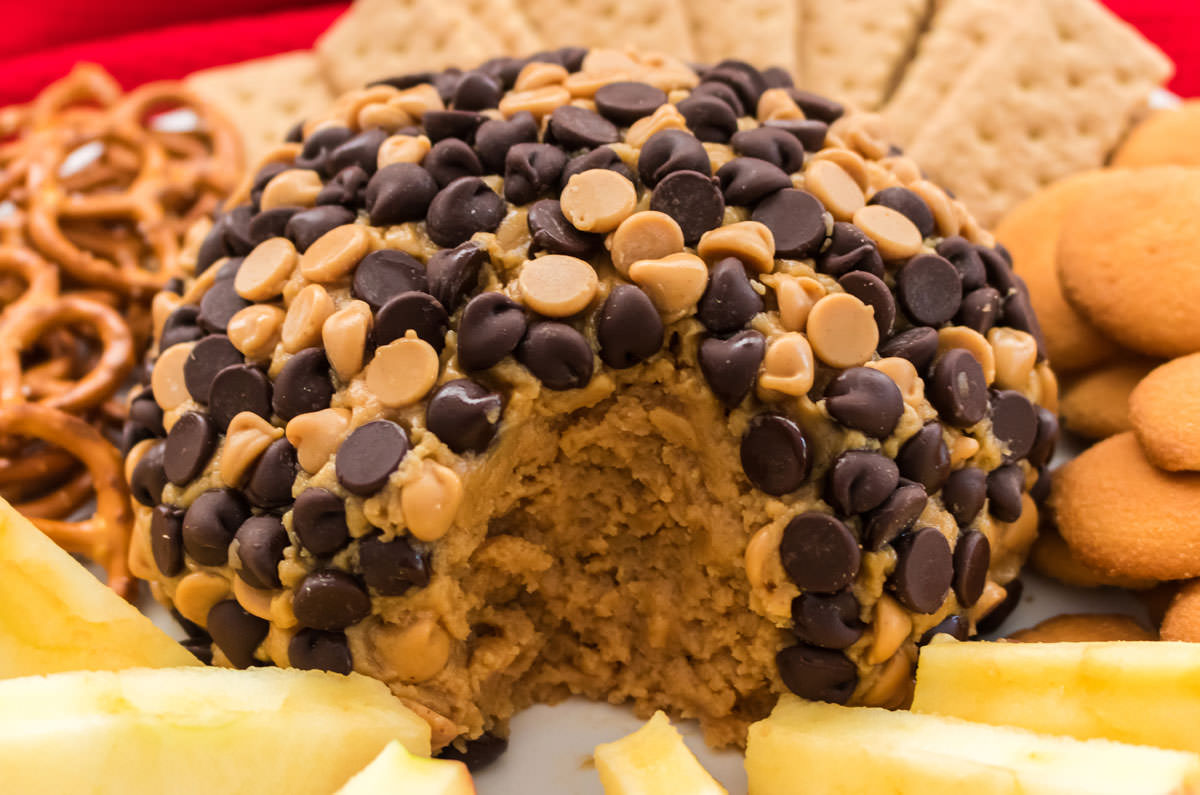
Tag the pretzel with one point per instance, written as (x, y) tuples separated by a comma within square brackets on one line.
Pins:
[(41, 279)]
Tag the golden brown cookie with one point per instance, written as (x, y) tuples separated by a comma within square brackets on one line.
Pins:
[(1157, 600), (1165, 412), (1182, 619), (1084, 628), (1120, 514), (1127, 259), (1096, 405), (1030, 231), (1051, 556), (1166, 138)]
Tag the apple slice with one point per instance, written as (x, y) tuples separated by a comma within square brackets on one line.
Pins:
[(653, 761), (56, 616), (196, 730), (820, 748), (1145, 692), (398, 770)]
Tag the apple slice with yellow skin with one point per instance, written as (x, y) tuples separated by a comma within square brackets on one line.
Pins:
[(56, 616), (196, 731), (653, 761), (398, 770), (826, 749)]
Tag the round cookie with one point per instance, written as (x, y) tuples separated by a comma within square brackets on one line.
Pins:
[(1121, 515), (1030, 232), (1084, 628), (1127, 259), (1182, 619), (1096, 405), (1157, 600), (1167, 137), (1051, 556), (1164, 410)]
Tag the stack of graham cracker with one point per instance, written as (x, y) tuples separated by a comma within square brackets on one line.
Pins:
[(994, 98)]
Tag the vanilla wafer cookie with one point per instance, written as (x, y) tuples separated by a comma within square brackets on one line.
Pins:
[(661, 25)]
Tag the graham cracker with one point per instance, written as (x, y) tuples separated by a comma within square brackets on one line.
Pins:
[(756, 31), (852, 50), (264, 97), (1051, 98), (651, 25)]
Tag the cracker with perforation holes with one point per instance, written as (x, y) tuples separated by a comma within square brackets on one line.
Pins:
[(653, 25), (264, 97), (1051, 98), (760, 32), (853, 49)]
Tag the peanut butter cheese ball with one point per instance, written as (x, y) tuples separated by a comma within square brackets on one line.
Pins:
[(591, 374)]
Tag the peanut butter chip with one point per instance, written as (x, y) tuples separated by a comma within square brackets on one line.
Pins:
[(1015, 354), (197, 593), (598, 200), (255, 601), (645, 235), (902, 371), (667, 117), (539, 75), (403, 371), (842, 330), (788, 365), (892, 628), (674, 283), (971, 341), (749, 241), (245, 440), (585, 84), (265, 269), (311, 307), (316, 436), (850, 162), (383, 116), (964, 447), (776, 104), (430, 502), (166, 382), (557, 285), (414, 653), (161, 307), (896, 236), (344, 336), (835, 189), (402, 149), (538, 101), (944, 214), (796, 296), (296, 187), (255, 330), (334, 253)]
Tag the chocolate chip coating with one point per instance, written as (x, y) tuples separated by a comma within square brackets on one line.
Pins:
[(419, 312), (850, 250), (209, 356), (465, 415), (454, 272), (865, 400), (796, 220), (730, 366), (747, 180), (964, 493), (261, 541), (953, 625), (166, 539), (729, 301), (669, 151), (930, 290), (315, 649), (306, 226), (491, 327), (625, 102), (391, 568), (816, 106), (496, 136), (330, 599), (771, 144), (385, 273), (873, 292), (148, 478), (628, 328), (809, 132), (557, 354), (829, 621), (532, 171), (908, 204), (918, 345), (709, 118), (553, 233), (924, 570), (269, 484), (924, 457), (894, 516), (477, 91), (980, 310), (774, 454), (817, 674), (972, 556), (819, 553), (190, 444), (722, 93), (746, 81), (462, 208), (479, 753), (218, 305), (319, 521), (239, 388), (1015, 423), (693, 199), (271, 223), (1000, 613), (318, 146), (182, 325), (1004, 487), (958, 389), (442, 124), (601, 157), (360, 150), (965, 258), (859, 481), (210, 523), (1046, 438), (450, 159), (236, 632), (580, 128), (303, 384), (369, 455), (400, 192)]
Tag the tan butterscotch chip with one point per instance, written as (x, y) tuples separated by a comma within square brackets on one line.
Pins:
[(402, 149), (777, 104), (865, 133), (538, 101), (893, 685), (416, 101), (585, 84), (1046, 384), (296, 187), (383, 115), (749, 241), (282, 613), (1015, 353), (203, 283), (897, 237), (850, 162), (557, 285), (718, 154), (265, 269), (166, 382), (667, 117), (842, 330), (247, 437), (964, 447), (973, 343), (788, 365), (161, 307), (255, 601), (311, 307), (903, 168), (902, 371), (892, 627), (254, 330), (674, 283), (403, 371), (335, 253), (431, 501), (834, 188), (196, 594), (944, 214), (413, 653), (645, 235), (316, 436), (344, 336), (598, 200), (796, 296), (538, 74)]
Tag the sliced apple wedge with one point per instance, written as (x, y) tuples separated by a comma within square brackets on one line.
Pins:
[(56, 616), (398, 770), (653, 761), (196, 730), (825, 749), (1136, 692)]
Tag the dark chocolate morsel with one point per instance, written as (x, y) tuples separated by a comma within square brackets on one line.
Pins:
[(895, 516), (924, 457), (235, 632), (491, 327), (218, 305), (412, 311), (319, 521), (442, 124), (477, 91), (557, 354), (391, 568), (796, 220), (850, 250), (730, 366), (859, 481), (930, 290), (307, 226), (531, 171), (210, 523), (551, 232), (924, 570), (776, 146), (601, 157), (465, 206), (303, 384), (693, 199), (629, 329), (454, 272), (979, 310), (774, 454), (963, 256), (477, 753), (827, 620), (261, 541), (816, 106), (1004, 487), (872, 291), (958, 389), (369, 455), (239, 388), (817, 674), (385, 273), (669, 151), (624, 103), (464, 415), (166, 539), (729, 301), (209, 356), (579, 128), (1014, 423), (189, 446), (908, 204), (496, 136), (747, 180), (330, 599), (953, 625), (964, 493), (972, 556), (709, 118), (998, 614), (269, 484), (318, 650), (918, 345), (450, 159), (819, 553), (866, 400), (400, 192), (148, 478)]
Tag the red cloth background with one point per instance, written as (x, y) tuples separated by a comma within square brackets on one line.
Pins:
[(140, 40)]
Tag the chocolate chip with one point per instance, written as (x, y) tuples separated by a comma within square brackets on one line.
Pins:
[(602, 157), (809, 132), (317, 650), (166, 539), (1046, 438), (963, 494), (1039, 492), (550, 231), (817, 674), (229, 268), (992, 620), (361, 150), (477, 91), (303, 384), (319, 145), (441, 125), (709, 118), (557, 354), (924, 569), (777, 77), (918, 345), (147, 480), (369, 455), (307, 226), (623, 103), (264, 175), (1014, 423), (747, 180), (1004, 486), (209, 356), (401, 82), (269, 485), (330, 599), (859, 481), (400, 192), (212, 248), (531, 171), (819, 553), (420, 312), (191, 442), (816, 106), (580, 128), (850, 250), (972, 556), (236, 389), (569, 58), (722, 93), (999, 270), (491, 327), (1018, 313), (479, 752), (393, 567), (236, 230), (924, 458), (271, 223), (827, 620), (774, 454), (979, 310), (908, 204), (450, 159), (731, 365), (319, 521), (953, 625), (465, 206), (771, 144), (957, 388), (218, 305), (796, 220), (743, 78), (464, 415), (729, 302), (454, 272), (496, 136), (236, 632), (930, 289), (865, 400), (963, 256), (210, 523), (628, 327), (261, 541), (895, 516), (872, 291), (669, 151), (144, 421), (180, 326), (385, 273)]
